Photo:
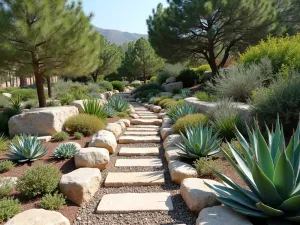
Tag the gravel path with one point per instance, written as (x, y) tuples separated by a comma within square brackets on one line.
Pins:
[(180, 215)]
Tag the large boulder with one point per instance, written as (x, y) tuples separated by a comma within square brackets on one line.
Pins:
[(156, 109), (172, 153), (173, 86), (41, 121), (165, 132), (197, 195), (104, 139), (79, 103), (80, 185), (180, 170), (172, 140), (221, 215), (38, 217), (92, 158), (115, 128)]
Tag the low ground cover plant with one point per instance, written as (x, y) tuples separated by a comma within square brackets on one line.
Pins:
[(6, 165), (78, 136), (53, 201), (203, 167), (191, 120), (60, 136), (8, 208), (205, 97)]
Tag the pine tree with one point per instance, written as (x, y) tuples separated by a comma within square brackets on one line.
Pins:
[(209, 29), (47, 38)]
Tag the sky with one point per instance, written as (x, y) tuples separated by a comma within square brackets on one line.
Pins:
[(123, 15)]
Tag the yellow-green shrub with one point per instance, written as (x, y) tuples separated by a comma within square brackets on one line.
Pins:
[(164, 101), (189, 120)]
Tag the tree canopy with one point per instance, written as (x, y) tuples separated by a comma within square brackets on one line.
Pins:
[(47, 38), (209, 29)]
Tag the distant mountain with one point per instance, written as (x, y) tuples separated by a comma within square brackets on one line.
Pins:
[(119, 37)]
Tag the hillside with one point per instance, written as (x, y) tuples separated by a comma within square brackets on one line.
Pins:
[(119, 37)]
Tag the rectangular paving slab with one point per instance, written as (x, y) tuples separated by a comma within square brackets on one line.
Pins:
[(138, 163), (146, 126), (148, 117), (139, 151), (139, 139), (141, 129), (141, 133), (146, 121), (134, 179), (135, 202)]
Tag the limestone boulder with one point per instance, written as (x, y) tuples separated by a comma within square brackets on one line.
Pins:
[(171, 80), (161, 115), (41, 121), (79, 103), (38, 217), (92, 158), (173, 86), (167, 119), (156, 109), (115, 128), (104, 139), (165, 132), (80, 185), (180, 170), (125, 121), (172, 153), (123, 126), (197, 195), (221, 215), (172, 140), (134, 115)]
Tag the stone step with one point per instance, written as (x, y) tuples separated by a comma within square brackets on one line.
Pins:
[(141, 129), (140, 109), (146, 122), (134, 179), (154, 151), (139, 133), (138, 163), (138, 139), (148, 117), (145, 126), (135, 202)]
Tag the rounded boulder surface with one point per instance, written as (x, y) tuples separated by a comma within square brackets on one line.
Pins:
[(92, 158), (104, 139)]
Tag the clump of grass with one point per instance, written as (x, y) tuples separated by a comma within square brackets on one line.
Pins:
[(8, 208), (121, 114), (6, 166), (60, 136), (53, 201), (203, 167), (78, 135)]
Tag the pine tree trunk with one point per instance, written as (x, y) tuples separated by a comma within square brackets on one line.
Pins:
[(49, 87), (40, 89), (23, 81)]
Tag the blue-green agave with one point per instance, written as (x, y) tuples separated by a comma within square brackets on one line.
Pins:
[(199, 142), (271, 170), (65, 151), (177, 112), (118, 103), (26, 148)]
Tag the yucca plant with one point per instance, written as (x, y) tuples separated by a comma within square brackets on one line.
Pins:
[(65, 151), (271, 171), (199, 141), (15, 102), (118, 103), (179, 111), (94, 107), (26, 148)]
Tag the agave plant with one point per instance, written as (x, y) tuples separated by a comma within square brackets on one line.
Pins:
[(65, 151), (118, 103), (94, 107), (109, 110), (199, 142), (26, 148), (180, 111), (271, 171)]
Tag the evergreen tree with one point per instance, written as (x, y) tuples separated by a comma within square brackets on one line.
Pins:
[(110, 59), (47, 38), (209, 29)]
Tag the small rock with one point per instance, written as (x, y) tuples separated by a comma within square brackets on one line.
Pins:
[(123, 126), (92, 158), (104, 139), (134, 115), (115, 128), (172, 140), (156, 109), (180, 170), (126, 122), (165, 132)]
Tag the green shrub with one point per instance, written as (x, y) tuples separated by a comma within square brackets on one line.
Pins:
[(8, 208), (205, 97), (6, 165), (121, 114), (84, 123), (60, 136), (26, 148), (31, 103), (24, 94), (238, 82), (203, 167), (135, 83), (94, 107), (118, 85), (142, 88), (149, 93), (6, 187), (66, 98), (201, 69), (93, 87), (176, 91), (53, 202), (180, 111), (188, 77), (281, 100), (190, 120), (78, 135), (3, 142), (106, 85), (157, 100), (235, 144), (284, 52), (38, 180), (164, 101), (153, 79), (4, 101)]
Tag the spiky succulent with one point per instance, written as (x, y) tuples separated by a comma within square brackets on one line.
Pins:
[(65, 151), (179, 111), (109, 110), (199, 142), (271, 171), (26, 148), (118, 103)]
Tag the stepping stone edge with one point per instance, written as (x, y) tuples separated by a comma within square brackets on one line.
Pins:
[(138, 163)]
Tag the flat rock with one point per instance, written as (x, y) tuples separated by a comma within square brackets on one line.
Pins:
[(139, 139), (134, 179), (138, 163), (148, 117), (38, 217), (146, 122), (172, 153), (80, 185), (139, 133), (135, 202), (141, 129), (104, 139), (180, 170), (154, 151), (44, 138), (197, 195), (145, 126), (221, 215), (92, 158)]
